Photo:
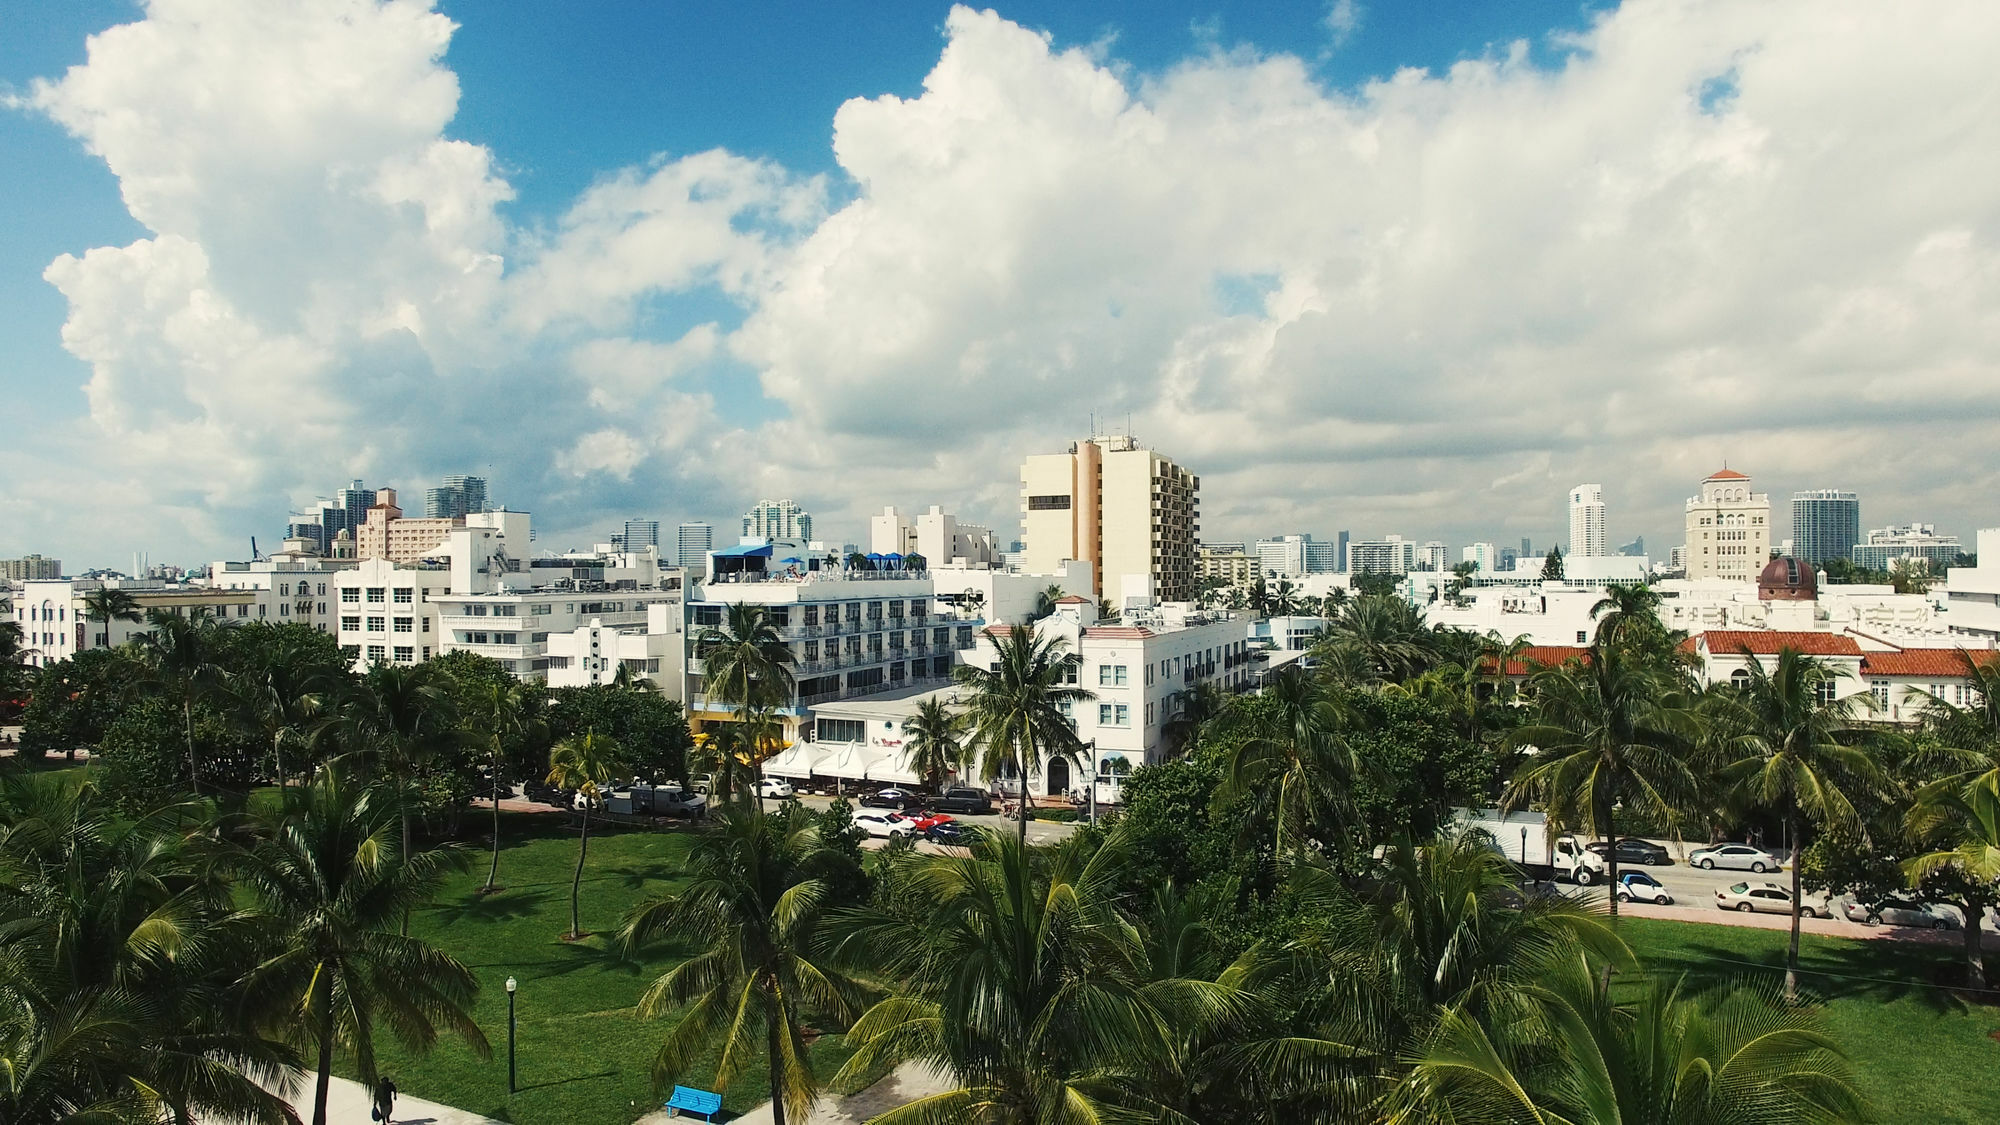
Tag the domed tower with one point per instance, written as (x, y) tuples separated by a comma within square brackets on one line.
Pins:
[(1787, 580)]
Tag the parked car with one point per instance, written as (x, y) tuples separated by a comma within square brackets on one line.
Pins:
[(925, 821), (1736, 857), (1631, 849), (1766, 898), (702, 783), (1899, 912), (954, 832), (776, 787), (884, 825), (893, 798), (976, 802), (543, 792), (1637, 886)]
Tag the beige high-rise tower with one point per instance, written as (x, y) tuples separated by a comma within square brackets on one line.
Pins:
[(1117, 505), (1728, 529)]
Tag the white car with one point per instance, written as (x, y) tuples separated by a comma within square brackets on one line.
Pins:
[(1637, 886), (1766, 898), (884, 825), (1899, 912), (776, 787), (1736, 857)]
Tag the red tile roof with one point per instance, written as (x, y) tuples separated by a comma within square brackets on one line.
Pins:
[(1073, 599), (1939, 663), (1728, 474), (1760, 642), (1537, 656), (1119, 632)]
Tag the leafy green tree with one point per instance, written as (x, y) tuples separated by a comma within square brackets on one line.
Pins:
[(328, 883), (840, 854), (400, 725), (144, 762), (284, 700), (1794, 748), (585, 763), (180, 655), (1193, 710), (1661, 1057), (75, 701), (1421, 765), (1016, 708), (1552, 565), (13, 662), (1381, 633), (502, 716), (752, 908), (107, 604), (933, 741), (1606, 735)]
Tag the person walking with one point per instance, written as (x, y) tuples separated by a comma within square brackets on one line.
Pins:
[(385, 1100)]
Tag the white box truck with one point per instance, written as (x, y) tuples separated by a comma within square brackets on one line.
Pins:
[(1524, 838)]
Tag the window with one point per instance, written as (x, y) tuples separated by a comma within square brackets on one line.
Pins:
[(377, 593), (406, 624), (840, 730), (405, 595), (285, 589), (1582, 637), (1113, 715), (1824, 690), (351, 652), (405, 654), (541, 610), (378, 624), (557, 663), (351, 624), (377, 654), (506, 638), (475, 638), (322, 592), (322, 609), (504, 610), (349, 595), (1740, 678), (1048, 503), (1111, 675), (474, 610), (1880, 690)]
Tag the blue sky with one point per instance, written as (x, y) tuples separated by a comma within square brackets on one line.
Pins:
[(1574, 214)]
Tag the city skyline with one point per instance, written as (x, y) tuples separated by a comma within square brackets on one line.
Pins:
[(184, 363)]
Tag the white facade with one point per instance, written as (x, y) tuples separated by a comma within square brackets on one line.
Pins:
[(1728, 529), (777, 519), (1433, 556), (296, 588), (1322, 558), (891, 532), (695, 541), (942, 540), (55, 625), (1972, 593), (1586, 521), (1887, 547), (1135, 668), (1392, 554), (1004, 597), (385, 613), (593, 652), (1295, 633), (1483, 556), (1283, 557)]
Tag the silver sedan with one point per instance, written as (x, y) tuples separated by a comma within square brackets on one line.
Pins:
[(1736, 857)]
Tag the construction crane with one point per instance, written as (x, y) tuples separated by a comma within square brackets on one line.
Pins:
[(255, 554)]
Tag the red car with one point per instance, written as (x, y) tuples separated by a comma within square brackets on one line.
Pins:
[(925, 821)]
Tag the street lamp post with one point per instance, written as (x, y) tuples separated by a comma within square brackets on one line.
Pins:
[(511, 985), (1092, 783)]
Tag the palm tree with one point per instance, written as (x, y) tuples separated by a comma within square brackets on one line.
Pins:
[(504, 718), (745, 660), (933, 741), (762, 738), (1604, 734), (1792, 746), (1195, 709), (585, 763), (1260, 597), (328, 882), (1284, 598), (724, 751), (752, 906), (121, 955), (285, 702), (1294, 768), (1023, 985), (1961, 822), (1625, 606), (1016, 708), (393, 723), (180, 653), (1383, 632), (1661, 1058), (1045, 602), (108, 604)]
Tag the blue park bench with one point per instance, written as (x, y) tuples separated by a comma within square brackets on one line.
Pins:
[(687, 1099)]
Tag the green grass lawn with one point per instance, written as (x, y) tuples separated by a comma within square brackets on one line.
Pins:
[(1922, 1052), (584, 1054)]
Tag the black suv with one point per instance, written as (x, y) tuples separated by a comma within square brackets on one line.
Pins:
[(975, 801)]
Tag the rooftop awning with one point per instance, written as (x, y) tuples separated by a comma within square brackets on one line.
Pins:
[(796, 761), (745, 551)]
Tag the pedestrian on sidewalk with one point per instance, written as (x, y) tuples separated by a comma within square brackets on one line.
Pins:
[(385, 1100)]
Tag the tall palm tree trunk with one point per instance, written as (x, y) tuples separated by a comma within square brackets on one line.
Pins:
[(1975, 950), (1027, 755), (187, 717), (1798, 907), (772, 1030), (278, 757), (406, 853), (493, 871), (325, 1053), (576, 879), (1610, 855)]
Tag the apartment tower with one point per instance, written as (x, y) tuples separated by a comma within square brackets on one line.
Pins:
[(1728, 529), (1117, 505), (1586, 521), (1826, 524)]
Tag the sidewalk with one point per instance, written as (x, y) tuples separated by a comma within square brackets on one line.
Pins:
[(347, 1103), (905, 1084)]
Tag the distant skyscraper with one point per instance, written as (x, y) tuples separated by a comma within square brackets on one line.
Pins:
[(1635, 549), (696, 541), (1482, 555), (1586, 521), (1826, 524), (323, 522), (1124, 509), (30, 568), (1322, 558), (777, 519), (1343, 551), (1527, 548), (455, 497), (641, 534)]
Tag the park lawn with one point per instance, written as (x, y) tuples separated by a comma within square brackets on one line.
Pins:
[(584, 1055), (1922, 1052)]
